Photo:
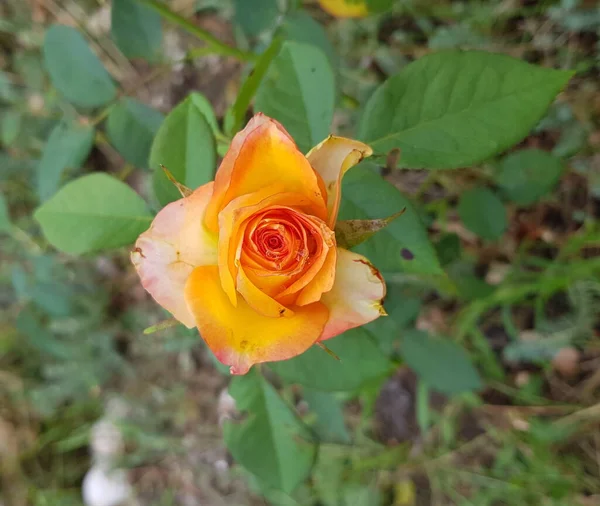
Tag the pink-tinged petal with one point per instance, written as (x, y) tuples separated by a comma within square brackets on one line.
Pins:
[(356, 297), (239, 336), (176, 242), (331, 159), (261, 155)]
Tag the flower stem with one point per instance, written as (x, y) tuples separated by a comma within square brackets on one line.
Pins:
[(217, 45)]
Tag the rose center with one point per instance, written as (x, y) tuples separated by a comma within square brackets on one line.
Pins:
[(273, 240), (281, 241)]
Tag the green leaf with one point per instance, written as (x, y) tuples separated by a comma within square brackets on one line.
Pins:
[(271, 442), (205, 107), (403, 245), (527, 175), (53, 298), (237, 112), (403, 309), (301, 27), (29, 65), (67, 147), (361, 361), (456, 36), (5, 225), (469, 285), (330, 425), (361, 495), (329, 476), (379, 5), (131, 127), (350, 233), (448, 248), (95, 212), (39, 337), (185, 145), (7, 90), (453, 109), (257, 16), (75, 71), (439, 362), (136, 29), (10, 125), (483, 213), (299, 91), (20, 282)]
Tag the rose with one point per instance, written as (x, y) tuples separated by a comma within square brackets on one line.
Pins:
[(251, 258)]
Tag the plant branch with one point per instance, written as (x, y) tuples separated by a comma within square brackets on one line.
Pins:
[(217, 45)]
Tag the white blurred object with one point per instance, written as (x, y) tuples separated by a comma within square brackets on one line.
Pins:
[(99, 22), (116, 409), (226, 408), (104, 487), (106, 441)]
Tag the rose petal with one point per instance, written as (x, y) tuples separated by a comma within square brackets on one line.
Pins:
[(326, 241), (322, 282), (232, 221), (239, 336), (263, 154), (176, 242), (331, 159), (258, 300), (356, 296)]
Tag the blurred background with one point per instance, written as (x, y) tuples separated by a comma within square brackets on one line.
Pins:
[(83, 390)]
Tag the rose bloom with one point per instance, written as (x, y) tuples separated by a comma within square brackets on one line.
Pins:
[(251, 258)]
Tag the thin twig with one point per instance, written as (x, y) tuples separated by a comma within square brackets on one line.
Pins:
[(218, 46)]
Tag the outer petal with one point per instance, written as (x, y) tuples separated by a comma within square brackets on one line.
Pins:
[(331, 159), (356, 296), (168, 251), (263, 154), (345, 8), (239, 336)]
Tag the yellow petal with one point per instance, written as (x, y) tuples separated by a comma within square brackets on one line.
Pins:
[(239, 336), (258, 300), (357, 294), (262, 155), (345, 8), (176, 242), (331, 159)]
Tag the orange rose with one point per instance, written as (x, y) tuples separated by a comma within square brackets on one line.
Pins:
[(251, 258)]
